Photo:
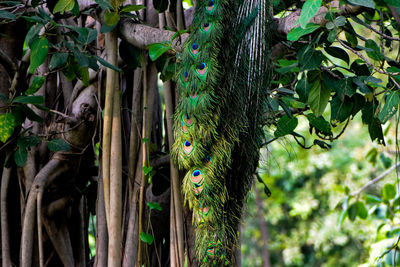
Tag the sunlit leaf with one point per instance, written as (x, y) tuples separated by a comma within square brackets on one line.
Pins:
[(298, 32), (309, 9), (7, 124)]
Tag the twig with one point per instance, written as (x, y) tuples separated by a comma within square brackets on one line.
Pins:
[(330, 72), (269, 141), (377, 179), (365, 59), (375, 30), (61, 114)]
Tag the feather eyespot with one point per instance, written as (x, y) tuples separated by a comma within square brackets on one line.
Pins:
[(185, 78), (202, 69), (211, 249), (205, 210), (206, 27), (197, 189), (207, 160), (194, 50), (210, 6), (187, 147), (186, 121), (197, 177)]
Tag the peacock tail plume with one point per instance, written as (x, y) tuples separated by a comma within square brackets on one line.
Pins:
[(223, 87)]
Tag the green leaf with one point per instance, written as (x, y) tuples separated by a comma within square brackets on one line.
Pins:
[(387, 161), (111, 18), (302, 89), (358, 103), (32, 34), (157, 49), (106, 64), (147, 238), (39, 51), (81, 58), (342, 217), (372, 155), (362, 211), (341, 109), (104, 4), (332, 35), (352, 211), (91, 36), (147, 170), (338, 53), (394, 3), (298, 32), (375, 131), (340, 21), (7, 125), (352, 39), (145, 140), (359, 68), (154, 205), (106, 28), (366, 3), (285, 125), (28, 141), (20, 156), (83, 74), (58, 60), (345, 87), (320, 124), (291, 102), (309, 58), (35, 86), (64, 6), (287, 66), (318, 97), (309, 9), (132, 8), (376, 52), (58, 144), (330, 25), (30, 113), (44, 15), (322, 144), (7, 15), (388, 192), (371, 199), (392, 101), (32, 99)]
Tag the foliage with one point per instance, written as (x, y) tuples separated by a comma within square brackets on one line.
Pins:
[(331, 74), (337, 78), (310, 193)]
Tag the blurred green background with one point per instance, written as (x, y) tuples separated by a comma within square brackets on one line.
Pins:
[(307, 219)]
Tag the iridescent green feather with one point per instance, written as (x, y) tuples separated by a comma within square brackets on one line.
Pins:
[(223, 86)]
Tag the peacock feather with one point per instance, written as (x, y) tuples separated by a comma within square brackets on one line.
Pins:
[(223, 87)]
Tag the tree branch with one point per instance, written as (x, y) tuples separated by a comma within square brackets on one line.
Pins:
[(284, 25), (377, 179), (141, 35)]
